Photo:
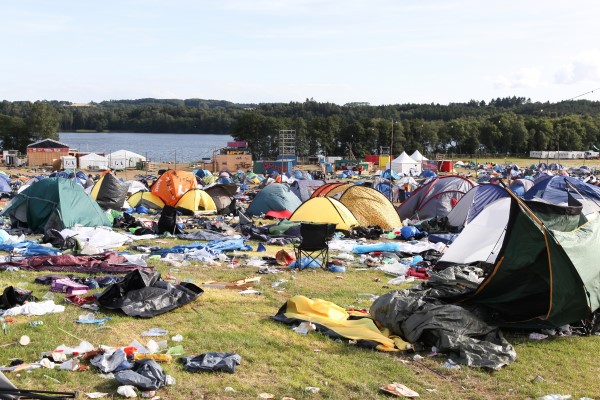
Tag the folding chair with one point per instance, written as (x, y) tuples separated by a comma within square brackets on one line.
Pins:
[(315, 242)]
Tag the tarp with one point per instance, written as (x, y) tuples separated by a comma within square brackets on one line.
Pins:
[(145, 294), (109, 192), (336, 322), (277, 197), (450, 328), (325, 210), (55, 203)]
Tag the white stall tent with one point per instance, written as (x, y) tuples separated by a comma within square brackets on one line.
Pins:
[(418, 157), (122, 159), (93, 162), (404, 164)]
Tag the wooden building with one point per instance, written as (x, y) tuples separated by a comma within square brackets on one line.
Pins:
[(45, 151)]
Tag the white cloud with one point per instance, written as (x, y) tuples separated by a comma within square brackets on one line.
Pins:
[(582, 68), (522, 78)]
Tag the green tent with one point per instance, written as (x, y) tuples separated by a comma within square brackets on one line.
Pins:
[(277, 197), (54, 203), (546, 273)]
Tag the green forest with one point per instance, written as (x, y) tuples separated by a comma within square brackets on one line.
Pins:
[(512, 125)]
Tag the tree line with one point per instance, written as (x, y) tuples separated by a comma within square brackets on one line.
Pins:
[(513, 125)]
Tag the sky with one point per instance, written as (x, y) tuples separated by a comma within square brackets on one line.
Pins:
[(340, 51)]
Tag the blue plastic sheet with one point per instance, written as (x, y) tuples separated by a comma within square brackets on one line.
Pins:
[(29, 248), (383, 246)]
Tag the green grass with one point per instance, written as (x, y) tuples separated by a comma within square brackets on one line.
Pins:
[(277, 360)]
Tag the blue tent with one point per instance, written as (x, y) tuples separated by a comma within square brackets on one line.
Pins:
[(5, 186), (473, 202), (556, 190), (428, 174), (390, 174)]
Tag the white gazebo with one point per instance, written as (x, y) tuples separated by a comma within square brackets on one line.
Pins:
[(418, 157), (404, 164), (122, 159), (93, 162)]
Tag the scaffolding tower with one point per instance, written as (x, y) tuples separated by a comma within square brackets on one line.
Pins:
[(287, 143)]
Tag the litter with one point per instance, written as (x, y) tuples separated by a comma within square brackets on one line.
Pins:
[(96, 395), (537, 336), (312, 389), (177, 338), (155, 332), (127, 391), (304, 328), (399, 390)]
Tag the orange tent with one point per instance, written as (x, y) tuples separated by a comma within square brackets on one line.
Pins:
[(173, 184)]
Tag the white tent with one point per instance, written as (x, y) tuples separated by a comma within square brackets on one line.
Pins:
[(417, 156), (404, 164), (122, 159), (93, 162)]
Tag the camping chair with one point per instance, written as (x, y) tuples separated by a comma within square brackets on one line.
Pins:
[(315, 242)]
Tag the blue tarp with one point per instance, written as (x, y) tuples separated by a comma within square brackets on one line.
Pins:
[(29, 248)]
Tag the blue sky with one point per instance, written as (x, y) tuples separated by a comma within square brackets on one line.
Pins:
[(378, 51)]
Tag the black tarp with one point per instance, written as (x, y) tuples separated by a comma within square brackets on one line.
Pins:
[(145, 375), (144, 294), (450, 328)]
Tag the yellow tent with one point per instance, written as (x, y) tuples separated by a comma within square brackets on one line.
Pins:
[(196, 200), (146, 199), (325, 210), (370, 207)]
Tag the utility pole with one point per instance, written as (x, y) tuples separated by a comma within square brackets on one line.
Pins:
[(392, 144)]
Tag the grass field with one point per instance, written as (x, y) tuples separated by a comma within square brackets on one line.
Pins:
[(279, 361)]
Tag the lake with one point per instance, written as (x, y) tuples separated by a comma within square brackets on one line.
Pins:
[(157, 147)]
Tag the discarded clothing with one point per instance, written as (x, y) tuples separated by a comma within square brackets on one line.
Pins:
[(100, 237), (450, 328), (145, 375), (335, 322), (109, 262), (211, 362), (13, 296), (144, 294)]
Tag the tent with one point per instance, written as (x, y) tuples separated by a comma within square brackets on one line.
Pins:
[(276, 197), (305, 188), (436, 198), (109, 192), (222, 194), (195, 200), (545, 274), (473, 202), (520, 186), (326, 188), (417, 156), (135, 186), (54, 203), (122, 159), (556, 190), (146, 199), (5, 186), (403, 164), (93, 162), (173, 184), (370, 207), (325, 210)]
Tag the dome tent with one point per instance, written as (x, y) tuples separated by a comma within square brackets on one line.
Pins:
[(325, 210), (276, 197), (370, 207), (55, 203)]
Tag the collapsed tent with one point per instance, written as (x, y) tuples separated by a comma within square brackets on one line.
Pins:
[(325, 210), (54, 203), (557, 189), (544, 270), (471, 204), (144, 294), (274, 197), (109, 192), (370, 207), (222, 195), (436, 198)]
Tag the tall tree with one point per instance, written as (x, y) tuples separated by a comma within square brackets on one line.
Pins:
[(43, 122)]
